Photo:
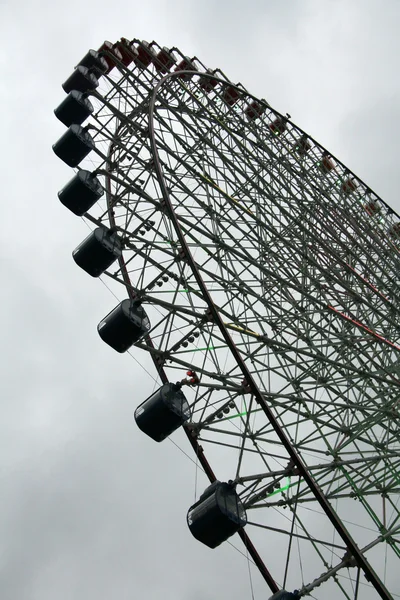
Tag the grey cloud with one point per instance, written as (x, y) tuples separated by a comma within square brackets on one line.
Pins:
[(89, 508)]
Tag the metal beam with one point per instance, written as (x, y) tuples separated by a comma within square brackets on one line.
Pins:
[(353, 549)]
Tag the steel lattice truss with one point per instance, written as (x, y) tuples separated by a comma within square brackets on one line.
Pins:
[(305, 278)]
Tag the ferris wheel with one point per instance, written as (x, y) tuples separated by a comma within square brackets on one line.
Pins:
[(262, 277)]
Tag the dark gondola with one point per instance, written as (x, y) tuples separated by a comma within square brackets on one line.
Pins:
[(98, 251), (163, 412), (217, 515), (125, 325)]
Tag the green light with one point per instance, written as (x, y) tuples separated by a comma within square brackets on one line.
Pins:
[(201, 349), (282, 489), (207, 348), (242, 414)]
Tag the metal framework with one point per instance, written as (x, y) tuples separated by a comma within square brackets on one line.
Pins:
[(270, 270)]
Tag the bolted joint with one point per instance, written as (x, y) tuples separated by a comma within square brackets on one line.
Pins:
[(208, 315), (349, 559), (181, 254), (160, 360), (245, 387)]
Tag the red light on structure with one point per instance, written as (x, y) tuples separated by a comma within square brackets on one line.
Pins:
[(367, 282), (193, 378), (364, 327)]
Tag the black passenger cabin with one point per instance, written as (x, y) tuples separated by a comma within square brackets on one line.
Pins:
[(217, 515), (81, 192), (124, 326), (284, 595), (81, 79), (95, 62), (75, 108), (98, 251), (163, 412), (74, 145)]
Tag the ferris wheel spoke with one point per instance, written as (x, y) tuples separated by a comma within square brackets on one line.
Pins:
[(268, 273)]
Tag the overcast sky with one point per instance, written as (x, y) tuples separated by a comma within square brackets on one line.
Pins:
[(90, 509)]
